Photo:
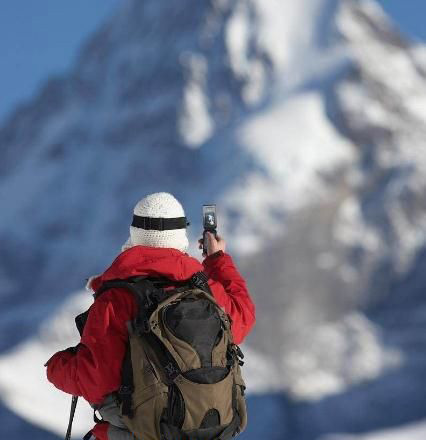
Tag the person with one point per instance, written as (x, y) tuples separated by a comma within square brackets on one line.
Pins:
[(93, 369)]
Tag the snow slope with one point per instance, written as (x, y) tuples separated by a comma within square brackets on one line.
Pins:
[(24, 386)]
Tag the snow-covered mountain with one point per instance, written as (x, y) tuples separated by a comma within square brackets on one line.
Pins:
[(304, 121)]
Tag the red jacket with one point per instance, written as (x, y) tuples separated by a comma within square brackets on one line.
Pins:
[(94, 371)]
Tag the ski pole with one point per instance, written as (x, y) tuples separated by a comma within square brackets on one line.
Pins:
[(72, 412)]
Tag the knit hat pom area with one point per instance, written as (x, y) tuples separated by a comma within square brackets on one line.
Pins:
[(158, 205)]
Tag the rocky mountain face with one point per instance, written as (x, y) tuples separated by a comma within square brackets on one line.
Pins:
[(304, 122), (163, 97)]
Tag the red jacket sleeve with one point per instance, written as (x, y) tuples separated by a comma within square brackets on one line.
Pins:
[(95, 370), (230, 291)]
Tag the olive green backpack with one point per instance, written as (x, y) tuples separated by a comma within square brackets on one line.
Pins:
[(181, 376)]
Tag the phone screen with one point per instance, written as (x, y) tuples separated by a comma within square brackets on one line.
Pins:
[(209, 217)]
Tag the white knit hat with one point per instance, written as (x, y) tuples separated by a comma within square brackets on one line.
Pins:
[(158, 205)]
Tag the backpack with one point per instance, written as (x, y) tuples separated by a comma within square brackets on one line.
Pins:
[(181, 376)]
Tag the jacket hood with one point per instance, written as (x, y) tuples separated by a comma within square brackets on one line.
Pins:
[(150, 261)]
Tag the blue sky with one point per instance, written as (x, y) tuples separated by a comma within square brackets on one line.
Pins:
[(409, 15), (39, 38)]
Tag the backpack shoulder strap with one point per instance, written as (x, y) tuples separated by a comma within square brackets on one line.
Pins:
[(198, 280), (111, 284)]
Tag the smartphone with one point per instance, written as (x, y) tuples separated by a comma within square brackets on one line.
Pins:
[(209, 223)]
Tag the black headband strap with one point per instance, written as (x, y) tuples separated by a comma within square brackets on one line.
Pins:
[(159, 224)]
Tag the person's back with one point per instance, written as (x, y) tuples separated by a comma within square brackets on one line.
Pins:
[(94, 368)]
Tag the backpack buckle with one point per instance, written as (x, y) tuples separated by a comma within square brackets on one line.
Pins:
[(239, 355), (199, 280), (239, 352), (235, 354), (125, 390)]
